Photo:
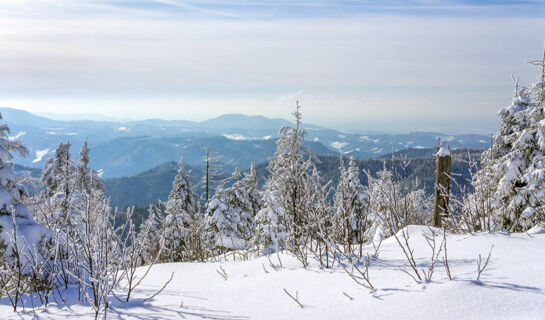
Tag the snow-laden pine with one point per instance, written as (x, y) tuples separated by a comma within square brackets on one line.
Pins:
[(509, 189)]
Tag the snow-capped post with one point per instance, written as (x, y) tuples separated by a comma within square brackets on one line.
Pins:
[(442, 184)]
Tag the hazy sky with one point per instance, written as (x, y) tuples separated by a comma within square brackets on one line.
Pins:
[(372, 65)]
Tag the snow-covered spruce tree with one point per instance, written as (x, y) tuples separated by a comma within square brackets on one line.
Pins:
[(229, 221), (320, 216), (180, 211), (21, 238), (509, 189), (58, 194), (251, 189), (351, 207), (244, 197), (87, 179), (281, 221)]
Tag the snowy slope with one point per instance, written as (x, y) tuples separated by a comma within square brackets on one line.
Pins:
[(512, 287)]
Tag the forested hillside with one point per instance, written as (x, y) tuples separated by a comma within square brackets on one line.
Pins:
[(419, 169)]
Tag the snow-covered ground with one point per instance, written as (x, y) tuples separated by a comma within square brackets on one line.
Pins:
[(512, 286)]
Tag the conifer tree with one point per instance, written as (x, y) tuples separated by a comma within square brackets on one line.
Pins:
[(350, 206), (87, 179), (249, 183), (229, 221), (509, 188), (59, 192), (179, 212), (282, 219), (20, 235)]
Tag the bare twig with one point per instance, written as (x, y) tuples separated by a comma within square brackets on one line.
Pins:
[(349, 297), (222, 273), (296, 298), (479, 269), (160, 290)]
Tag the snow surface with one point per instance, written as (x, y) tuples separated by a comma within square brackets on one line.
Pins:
[(512, 287), (40, 154), (235, 136), (339, 145), (17, 136)]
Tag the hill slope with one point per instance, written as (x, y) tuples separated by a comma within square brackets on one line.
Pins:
[(511, 287), (155, 184)]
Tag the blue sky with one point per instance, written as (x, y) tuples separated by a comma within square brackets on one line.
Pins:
[(369, 65)]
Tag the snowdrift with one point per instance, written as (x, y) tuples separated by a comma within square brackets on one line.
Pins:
[(512, 286)]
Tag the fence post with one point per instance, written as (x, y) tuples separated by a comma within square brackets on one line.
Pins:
[(442, 184)]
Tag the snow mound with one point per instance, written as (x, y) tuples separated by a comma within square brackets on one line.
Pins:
[(536, 230)]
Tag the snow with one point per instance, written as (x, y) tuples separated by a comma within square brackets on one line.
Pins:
[(17, 136), (235, 136), (443, 150), (339, 144), (536, 230), (512, 287), (5, 156), (267, 137), (231, 242), (53, 133), (40, 154)]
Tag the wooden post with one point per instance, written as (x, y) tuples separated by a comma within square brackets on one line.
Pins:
[(442, 184)]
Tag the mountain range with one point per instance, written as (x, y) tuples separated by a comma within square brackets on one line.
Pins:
[(155, 184), (127, 148)]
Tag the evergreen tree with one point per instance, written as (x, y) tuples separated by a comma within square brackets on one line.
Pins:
[(181, 198), (58, 171), (59, 193), (350, 206), (20, 235), (87, 180), (509, 188), (282, 219), (180, 210), (251, 189), (320, 216), (229, 221)]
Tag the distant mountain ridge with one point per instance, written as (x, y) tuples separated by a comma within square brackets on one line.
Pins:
[(155, 184), (127, 148)]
